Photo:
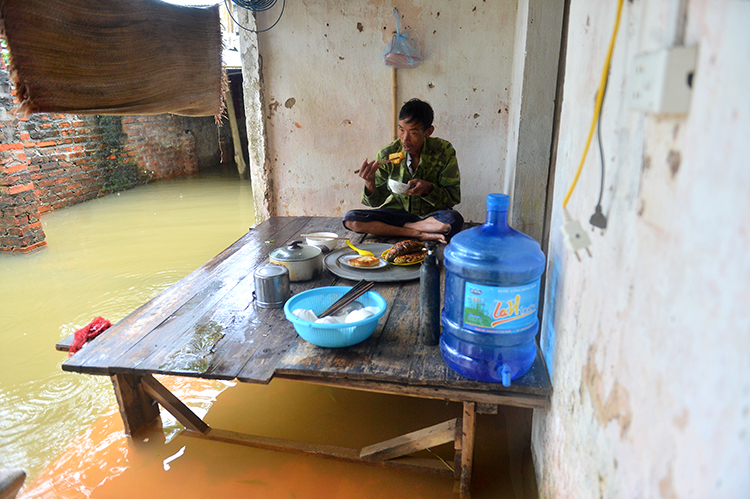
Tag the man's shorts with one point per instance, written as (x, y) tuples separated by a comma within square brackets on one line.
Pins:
[(400, 217)]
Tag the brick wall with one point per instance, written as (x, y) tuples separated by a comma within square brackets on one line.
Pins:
[(49, 161), (73, 159), (164, 145), (20, 227)]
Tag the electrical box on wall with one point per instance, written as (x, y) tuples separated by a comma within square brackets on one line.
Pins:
[(662, 81)]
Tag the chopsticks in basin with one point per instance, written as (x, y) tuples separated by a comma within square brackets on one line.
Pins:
[(358, 290)]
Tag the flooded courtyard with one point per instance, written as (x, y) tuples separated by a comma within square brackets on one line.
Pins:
[(103, 258), (107, 257)]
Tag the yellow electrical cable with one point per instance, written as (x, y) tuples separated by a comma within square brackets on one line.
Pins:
[(598, 106)]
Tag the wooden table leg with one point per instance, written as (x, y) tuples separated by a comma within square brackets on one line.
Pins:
[(172, 404), (465, 451), (137, 408)]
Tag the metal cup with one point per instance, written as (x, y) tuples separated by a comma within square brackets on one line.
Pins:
[(271, 286)]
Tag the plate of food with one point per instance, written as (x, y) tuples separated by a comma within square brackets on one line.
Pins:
[(364, 262), (387, 273), (405, 253)]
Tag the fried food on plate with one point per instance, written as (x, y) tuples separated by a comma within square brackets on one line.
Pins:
[(403, 248), (410, 258), (365, 261)]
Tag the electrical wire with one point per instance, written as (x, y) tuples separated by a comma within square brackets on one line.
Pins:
[(598, 106), (255, 6), (601, 150), (598, 219)]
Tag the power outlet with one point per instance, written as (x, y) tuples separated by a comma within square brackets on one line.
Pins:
[(575, 238), (662, 81)]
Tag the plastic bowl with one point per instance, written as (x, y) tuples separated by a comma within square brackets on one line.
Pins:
[(333, 335), (397, 187), (322, 240)]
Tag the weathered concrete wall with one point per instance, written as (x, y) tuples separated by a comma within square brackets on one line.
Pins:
[(532, 105), (648, 340), (261, 175), (327, 95)]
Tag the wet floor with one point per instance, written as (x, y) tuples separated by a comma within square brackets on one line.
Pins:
[(108, 256)]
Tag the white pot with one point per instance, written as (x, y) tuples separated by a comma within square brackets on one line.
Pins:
[(303, 262)]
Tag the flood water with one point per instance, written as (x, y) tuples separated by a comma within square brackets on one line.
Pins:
[(107, 257)]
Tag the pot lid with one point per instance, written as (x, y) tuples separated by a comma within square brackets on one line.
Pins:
[(270, 271), (295, 252)]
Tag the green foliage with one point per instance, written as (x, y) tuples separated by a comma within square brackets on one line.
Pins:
[(4, 51)]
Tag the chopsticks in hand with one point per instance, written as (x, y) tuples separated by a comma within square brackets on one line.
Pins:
[(379, 163), (358, 290)]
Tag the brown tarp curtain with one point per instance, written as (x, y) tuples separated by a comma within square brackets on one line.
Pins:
[(114, 57)]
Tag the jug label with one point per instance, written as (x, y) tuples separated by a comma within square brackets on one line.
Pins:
[(494, 309)]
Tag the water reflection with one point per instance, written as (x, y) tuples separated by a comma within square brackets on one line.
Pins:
[(103, 463), (197, 354)]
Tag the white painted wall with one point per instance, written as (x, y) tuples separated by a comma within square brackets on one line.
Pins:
[(328, 95), (648, 341)]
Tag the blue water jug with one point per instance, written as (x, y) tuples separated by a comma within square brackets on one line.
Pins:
[(489, 317)]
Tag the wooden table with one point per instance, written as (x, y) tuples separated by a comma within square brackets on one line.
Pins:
[(206, 326)]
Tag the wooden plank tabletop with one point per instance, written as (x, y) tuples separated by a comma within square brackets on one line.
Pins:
[(168, 334), (206, 325)]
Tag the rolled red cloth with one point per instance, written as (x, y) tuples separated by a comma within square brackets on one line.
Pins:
[(88, 332)]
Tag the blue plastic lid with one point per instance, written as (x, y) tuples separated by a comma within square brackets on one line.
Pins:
[(498, 202)]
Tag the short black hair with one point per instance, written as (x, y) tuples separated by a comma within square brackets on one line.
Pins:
[(417, 110)]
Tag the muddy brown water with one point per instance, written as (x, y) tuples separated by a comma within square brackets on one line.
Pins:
[(107, 257)]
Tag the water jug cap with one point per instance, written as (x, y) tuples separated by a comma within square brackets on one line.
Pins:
[(498, 202)]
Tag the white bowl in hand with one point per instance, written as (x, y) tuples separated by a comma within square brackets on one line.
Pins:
[(397, 187)]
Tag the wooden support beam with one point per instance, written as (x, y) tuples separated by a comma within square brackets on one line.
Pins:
[(64, 344), (184, 415), (137, 408), (239, 158), (525, 399), (486, 408), (457, 458), (319, 450), (11, 481), (394, 72), (416, 464), (279, 444), (468, 430), (411, 442)]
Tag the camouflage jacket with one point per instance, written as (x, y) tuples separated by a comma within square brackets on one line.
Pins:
[(437, 165)]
